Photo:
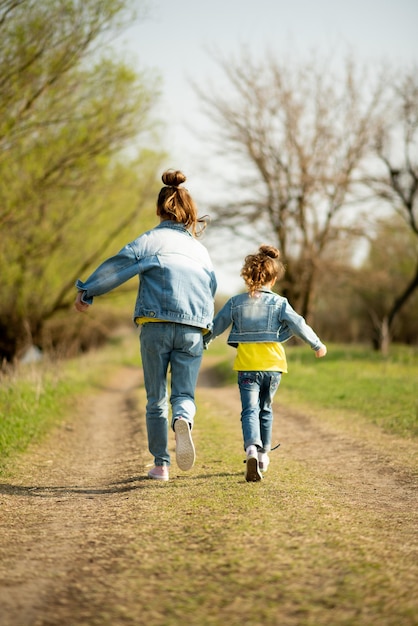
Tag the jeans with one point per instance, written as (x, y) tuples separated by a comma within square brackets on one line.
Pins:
[(257, 390), (179, 346)]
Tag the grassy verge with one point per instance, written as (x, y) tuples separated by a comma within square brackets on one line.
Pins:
[(36, 397), (351, 381)]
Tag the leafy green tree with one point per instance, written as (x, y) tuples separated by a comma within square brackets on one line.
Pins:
[(67, 111)]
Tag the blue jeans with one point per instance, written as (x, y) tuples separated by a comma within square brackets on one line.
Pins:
[(165, 344), (257, 390)]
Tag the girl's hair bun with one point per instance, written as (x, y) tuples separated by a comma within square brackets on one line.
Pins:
[(269, 251), (173, 178), (262, 268)]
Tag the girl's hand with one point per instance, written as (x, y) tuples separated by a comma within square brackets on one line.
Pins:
[(321, 352), (79, 304)]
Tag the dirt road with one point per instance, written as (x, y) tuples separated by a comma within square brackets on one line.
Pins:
[(72, 507)]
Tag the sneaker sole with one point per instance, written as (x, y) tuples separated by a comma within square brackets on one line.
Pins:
[(252, 473), (185, 452)]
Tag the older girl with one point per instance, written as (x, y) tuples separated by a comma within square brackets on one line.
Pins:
[(174, 307)]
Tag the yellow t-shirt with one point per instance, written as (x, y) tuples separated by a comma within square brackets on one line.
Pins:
[(262, 357), (145, 320)]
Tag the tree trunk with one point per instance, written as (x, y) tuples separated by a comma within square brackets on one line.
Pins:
[(384, 338), (386, 325)]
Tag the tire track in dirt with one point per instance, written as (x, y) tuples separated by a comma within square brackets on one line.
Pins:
[(59, 493)]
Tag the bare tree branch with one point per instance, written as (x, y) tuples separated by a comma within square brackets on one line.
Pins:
[(301, 132)]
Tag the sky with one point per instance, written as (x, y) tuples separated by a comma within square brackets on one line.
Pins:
[(177, 38)]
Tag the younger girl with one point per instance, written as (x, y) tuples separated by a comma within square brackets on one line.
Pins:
[(261, 320), (174, 307)]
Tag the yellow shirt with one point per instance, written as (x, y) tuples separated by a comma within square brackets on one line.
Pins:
[(145, 320), (262, 357)]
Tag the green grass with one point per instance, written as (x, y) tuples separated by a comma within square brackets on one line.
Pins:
[(351, 380), (28, 408), (34, 398), (356, 380)]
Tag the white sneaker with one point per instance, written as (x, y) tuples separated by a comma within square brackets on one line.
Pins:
[(263, 461), (185, 452), (159, 472), (252, 470)]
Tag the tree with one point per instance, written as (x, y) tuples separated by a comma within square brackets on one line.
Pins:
[(355, 299), (300, 132), (67, 109), (396, 183)]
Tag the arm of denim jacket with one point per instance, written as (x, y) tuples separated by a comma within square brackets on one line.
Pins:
[(222, 320), (110, 274), (299, 327)]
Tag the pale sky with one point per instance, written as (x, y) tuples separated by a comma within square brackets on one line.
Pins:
[(175, 38)]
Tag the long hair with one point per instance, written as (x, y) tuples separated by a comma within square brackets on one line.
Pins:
[(261, 268), (174, 203)]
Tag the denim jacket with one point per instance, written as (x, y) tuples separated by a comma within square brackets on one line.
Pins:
[(177, 281), (262, 318)]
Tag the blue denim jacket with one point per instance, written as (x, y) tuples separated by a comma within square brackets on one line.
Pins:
[(263, 318), (177, 281)]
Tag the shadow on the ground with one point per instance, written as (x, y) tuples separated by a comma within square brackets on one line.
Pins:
[(129, 484)]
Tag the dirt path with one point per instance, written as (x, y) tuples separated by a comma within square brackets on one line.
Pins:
[(66, 515)]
